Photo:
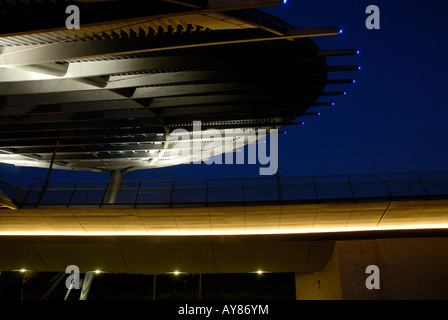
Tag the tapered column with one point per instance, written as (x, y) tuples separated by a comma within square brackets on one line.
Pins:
[(113, 187)]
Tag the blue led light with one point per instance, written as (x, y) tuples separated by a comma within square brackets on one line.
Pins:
[(345, 92), (359, 68), (318, 113), (284, 1), (354, 80), (332, 103), (303, 122), (357, 51), (340, 30)]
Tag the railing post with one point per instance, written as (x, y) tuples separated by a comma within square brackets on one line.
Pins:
[(71, 196), (279, 189), (28, 192), (242, 189), (171, 195), (351, 188), (423, 185), (136, 194), (18, 195), (383, 179), (206, 194), (315, 189)]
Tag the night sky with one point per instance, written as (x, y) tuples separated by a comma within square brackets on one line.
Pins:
[(393, 119)]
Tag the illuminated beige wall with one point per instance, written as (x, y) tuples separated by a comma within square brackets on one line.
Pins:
[(410, 268), (239, 220)]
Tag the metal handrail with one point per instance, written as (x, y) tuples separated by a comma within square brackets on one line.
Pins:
[(17, 190), (273, 189), (273, 177)]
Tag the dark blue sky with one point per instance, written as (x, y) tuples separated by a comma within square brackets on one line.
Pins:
[(393, 119)]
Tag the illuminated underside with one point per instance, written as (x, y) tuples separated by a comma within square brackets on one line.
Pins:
[(245, 220)]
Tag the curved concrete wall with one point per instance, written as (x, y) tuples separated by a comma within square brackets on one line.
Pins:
[(151, 254), (411, 268)]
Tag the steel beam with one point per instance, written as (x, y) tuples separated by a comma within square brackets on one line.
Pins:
[(247, 73), (339, 81), (94, 136), (112, 12), (337, 52), (98, 140), (94, 119), (191, 112), (91, 69), (206, 102), (63, 51), (342, 68), (151, 92), (70, 107)]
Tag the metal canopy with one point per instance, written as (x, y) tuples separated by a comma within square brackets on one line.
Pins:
[(111, 93)]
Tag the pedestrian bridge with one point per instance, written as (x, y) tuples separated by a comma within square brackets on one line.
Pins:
[(275, 205), (277, 224)]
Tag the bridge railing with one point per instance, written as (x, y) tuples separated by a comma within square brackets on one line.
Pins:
[(244, 190), (10, 190)]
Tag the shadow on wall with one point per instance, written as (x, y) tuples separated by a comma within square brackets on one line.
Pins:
[(408, 269)]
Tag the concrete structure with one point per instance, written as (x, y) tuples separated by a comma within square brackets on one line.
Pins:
[(409, 269), (108, 97), (328, 242)]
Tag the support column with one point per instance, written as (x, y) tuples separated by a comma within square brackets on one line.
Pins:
[(87, 283), (113, 186)]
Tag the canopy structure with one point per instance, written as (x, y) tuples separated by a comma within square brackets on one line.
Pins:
[(109, 96)]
